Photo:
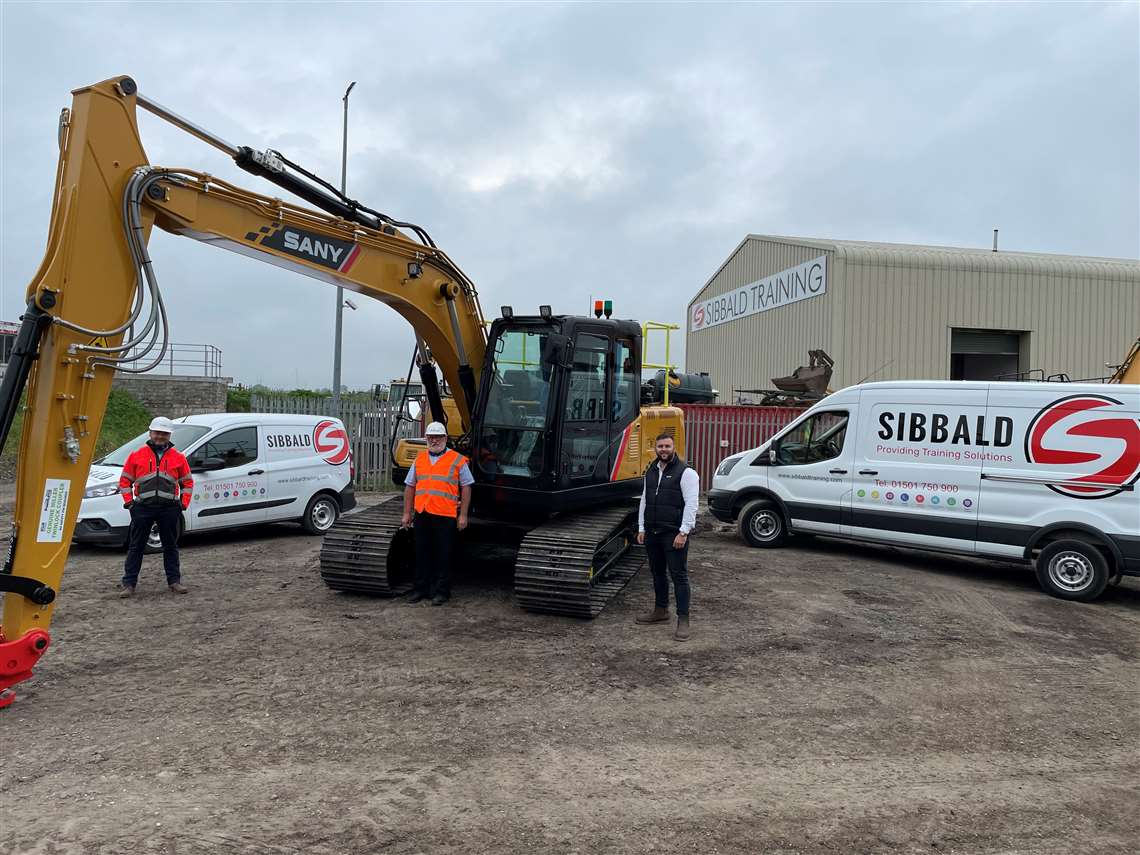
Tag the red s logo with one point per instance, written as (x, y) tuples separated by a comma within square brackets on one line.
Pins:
[(698, 317), (1093, 432), (331, 442)]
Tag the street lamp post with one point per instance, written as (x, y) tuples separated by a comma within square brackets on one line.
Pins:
[(339, 290)]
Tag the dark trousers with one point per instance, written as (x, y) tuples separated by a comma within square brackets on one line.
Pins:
[(665, 562), (142, 519), (435, 543)]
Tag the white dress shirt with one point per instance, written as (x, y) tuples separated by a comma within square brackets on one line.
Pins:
[(690, 490)]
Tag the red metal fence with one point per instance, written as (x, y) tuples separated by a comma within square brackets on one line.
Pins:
[(715, 431)]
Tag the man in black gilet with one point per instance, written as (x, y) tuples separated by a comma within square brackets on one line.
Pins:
[(668, 513)]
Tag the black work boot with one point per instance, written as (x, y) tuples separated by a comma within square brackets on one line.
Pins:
[(682, 631), (417, 597), (655, 615)]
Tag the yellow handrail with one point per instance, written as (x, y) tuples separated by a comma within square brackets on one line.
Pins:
[(667, 328)]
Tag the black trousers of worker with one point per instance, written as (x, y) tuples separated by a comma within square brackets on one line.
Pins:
[(435, 544), (665, 562), (142, 519)]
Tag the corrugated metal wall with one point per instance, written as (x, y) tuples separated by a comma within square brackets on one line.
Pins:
[(745, 353), (714, 432), (891, 309)]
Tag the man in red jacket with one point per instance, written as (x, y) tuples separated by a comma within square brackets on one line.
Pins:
[(156, 487)]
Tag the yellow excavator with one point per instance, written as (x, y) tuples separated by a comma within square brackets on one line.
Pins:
[(547, 407)]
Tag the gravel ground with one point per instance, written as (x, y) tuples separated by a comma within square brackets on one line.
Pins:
[(835, 698)]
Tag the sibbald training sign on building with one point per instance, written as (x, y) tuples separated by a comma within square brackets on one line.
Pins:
[(801, 282)]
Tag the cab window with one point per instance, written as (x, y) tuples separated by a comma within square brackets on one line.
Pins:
[(813, 440), (236, 447), (513, 430), (627, 389), (586, 400)]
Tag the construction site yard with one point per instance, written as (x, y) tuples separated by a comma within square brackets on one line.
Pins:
[(834, 698)]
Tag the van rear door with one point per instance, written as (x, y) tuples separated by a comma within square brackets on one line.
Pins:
[(292, 466), (1074, 460), (917, 471)]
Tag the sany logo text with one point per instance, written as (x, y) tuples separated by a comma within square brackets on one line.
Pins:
[(313, 246)]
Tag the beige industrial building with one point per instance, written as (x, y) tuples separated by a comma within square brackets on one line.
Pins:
[(893, 311)]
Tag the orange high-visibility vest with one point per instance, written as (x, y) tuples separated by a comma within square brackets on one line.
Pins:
[(149, 480), (437, 484)]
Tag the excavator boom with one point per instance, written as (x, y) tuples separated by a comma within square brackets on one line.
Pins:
[(96, 286)]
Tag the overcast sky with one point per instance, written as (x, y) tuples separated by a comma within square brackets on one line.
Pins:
[(563, 151)]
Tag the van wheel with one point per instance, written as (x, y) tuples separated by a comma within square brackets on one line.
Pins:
[(154, 542), (1072, 570), (763, 525), (320, 515)]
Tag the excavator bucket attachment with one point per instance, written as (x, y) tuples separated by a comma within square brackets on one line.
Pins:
[(808, 380)]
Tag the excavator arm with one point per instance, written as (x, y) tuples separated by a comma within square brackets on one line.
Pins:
[(1129, 370), (96, 295)]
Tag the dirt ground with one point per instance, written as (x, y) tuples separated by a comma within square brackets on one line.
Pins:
[(834, 699)]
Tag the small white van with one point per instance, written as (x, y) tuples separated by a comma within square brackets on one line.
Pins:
[(248, 468), (1045, 472)]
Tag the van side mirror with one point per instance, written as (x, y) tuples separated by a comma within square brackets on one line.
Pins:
[(210, 464), (554, 348), (772, 461)]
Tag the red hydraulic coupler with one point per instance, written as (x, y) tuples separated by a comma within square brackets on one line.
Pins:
[(16, 661)]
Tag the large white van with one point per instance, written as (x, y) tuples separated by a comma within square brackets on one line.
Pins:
[(248, 468), (1045, 472)]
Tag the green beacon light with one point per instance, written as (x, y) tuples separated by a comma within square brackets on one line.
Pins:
[(609, 308)]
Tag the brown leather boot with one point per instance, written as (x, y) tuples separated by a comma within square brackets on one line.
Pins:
[(179, 588), (654, 615), (126, 591), (682, 632)]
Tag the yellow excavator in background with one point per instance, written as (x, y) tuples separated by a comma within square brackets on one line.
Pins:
[(547, 407)]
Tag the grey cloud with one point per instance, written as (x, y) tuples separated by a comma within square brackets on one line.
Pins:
[(564, 151)]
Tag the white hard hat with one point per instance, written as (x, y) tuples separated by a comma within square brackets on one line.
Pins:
[(162, 423), (435, 429)]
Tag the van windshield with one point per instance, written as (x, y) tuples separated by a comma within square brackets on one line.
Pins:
[(181, 438)]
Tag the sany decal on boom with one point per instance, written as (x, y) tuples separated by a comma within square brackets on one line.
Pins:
[(338, 255)]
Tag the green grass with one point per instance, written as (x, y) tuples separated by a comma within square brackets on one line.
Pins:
[(237, 400), (125, 418)]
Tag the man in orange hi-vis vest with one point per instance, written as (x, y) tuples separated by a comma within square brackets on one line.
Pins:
[(438, 488)]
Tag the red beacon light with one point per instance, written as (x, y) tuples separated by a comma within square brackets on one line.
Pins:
[(597, 308)]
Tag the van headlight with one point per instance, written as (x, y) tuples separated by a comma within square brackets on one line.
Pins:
[(100, 490), (727, 464)]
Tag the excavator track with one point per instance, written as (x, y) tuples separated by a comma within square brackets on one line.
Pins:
[(576, 563), (572, 565), (364, 553)]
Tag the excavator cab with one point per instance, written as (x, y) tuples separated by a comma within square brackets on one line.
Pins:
[(558, 397)]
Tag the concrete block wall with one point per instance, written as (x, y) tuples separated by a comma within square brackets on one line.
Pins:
[(175, 395)]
